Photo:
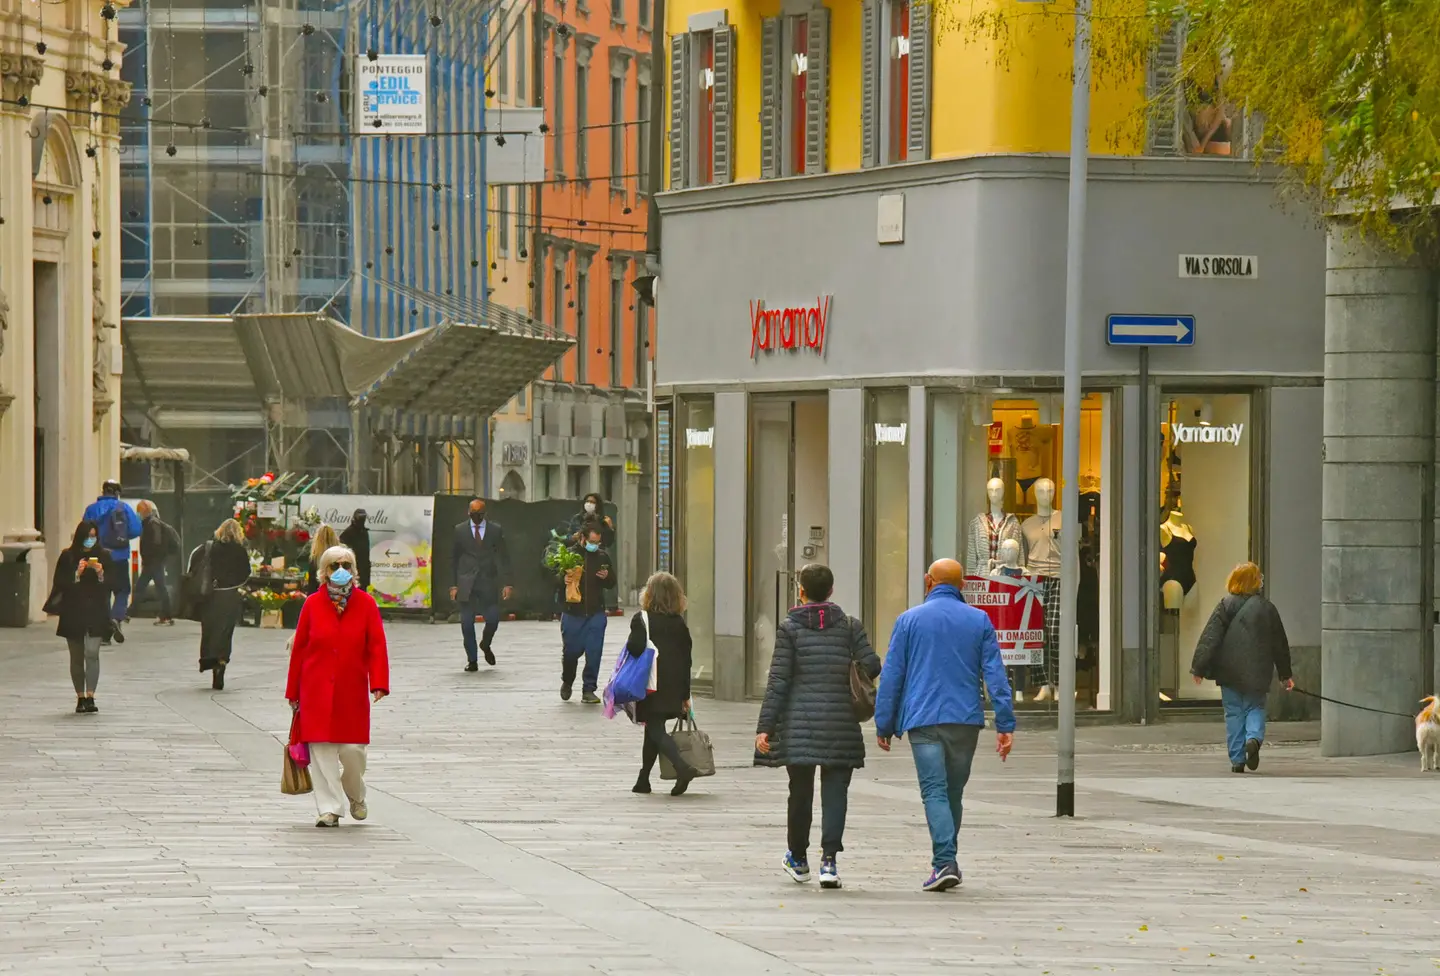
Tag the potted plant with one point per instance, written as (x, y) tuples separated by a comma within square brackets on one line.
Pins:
[(567, 563)]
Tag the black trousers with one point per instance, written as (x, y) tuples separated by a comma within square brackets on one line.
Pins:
[(834, 797), (658, 741)]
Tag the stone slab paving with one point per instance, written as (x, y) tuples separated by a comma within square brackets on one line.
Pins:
[(503, 838)]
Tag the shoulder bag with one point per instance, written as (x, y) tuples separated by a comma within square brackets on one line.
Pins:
[(862, 686), (695, 748)]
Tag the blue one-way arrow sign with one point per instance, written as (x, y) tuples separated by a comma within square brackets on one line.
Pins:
[(1150, 330)]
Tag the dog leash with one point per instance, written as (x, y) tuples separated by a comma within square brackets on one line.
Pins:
[(1335, 701)]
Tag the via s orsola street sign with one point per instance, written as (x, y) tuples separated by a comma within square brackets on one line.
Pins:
[(1245, 267), (391, 95), (1150, 330)]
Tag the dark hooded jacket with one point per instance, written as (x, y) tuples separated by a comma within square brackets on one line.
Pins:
[(807, 711)]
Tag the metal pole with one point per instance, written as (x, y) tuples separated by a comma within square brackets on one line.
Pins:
[(1147, 691), (1070, 504)]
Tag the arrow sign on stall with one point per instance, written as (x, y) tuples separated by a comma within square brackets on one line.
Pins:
[(1150, 330)]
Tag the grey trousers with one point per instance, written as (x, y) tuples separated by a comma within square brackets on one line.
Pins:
[(84, 663)]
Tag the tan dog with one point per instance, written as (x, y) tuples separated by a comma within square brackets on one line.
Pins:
[(1427, 734)]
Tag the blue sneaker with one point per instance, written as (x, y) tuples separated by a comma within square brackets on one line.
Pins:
[(943, 879), (797, 867), (829, 873)]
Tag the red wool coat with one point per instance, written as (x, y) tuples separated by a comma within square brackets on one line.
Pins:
[(335, 662)]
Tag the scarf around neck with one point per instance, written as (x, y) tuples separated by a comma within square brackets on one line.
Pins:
[(339, 595)]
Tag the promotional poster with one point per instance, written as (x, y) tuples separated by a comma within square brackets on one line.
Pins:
[(1016, 608), (400, 545)]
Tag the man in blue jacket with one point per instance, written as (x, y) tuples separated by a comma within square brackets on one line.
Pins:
[(930, 687), (118, 525)]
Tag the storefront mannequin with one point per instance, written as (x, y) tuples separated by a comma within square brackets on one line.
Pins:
[(1042, 543), (1177, 544), (989, 529), (1008, 563)]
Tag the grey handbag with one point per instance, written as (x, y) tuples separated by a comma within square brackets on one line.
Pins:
[(695, 749)]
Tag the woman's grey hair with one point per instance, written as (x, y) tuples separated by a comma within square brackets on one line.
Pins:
[(663, 594), (330, 557), (230, 531)]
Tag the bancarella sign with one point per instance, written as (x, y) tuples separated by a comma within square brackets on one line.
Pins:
[(1205, 434), (793, 328)]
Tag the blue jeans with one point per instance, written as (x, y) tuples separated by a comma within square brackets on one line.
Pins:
[(484, 602), (582, 635), (120, 589), (153, 571), (1244, 719), (943, 754)]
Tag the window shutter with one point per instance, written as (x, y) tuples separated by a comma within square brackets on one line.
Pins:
[(918, 138), (870, 62), (770, 97), (1167, 101), (817, 90), (679, 111), (722, 92)]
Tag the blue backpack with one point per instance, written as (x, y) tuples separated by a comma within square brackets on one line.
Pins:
[(115, 529)]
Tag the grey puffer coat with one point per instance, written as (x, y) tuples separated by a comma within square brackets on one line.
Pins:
[(1243, 645), (807, 711)]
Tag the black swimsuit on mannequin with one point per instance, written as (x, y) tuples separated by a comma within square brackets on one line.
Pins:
[(1179, 562)]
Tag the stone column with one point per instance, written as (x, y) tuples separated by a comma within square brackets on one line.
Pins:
[(114, 96), (19, 75), (1377, 501)]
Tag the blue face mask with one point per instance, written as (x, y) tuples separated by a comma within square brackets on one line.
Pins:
[(340, 576), (592, 547), (90, 543)]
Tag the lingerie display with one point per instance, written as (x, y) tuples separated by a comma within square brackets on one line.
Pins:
[(1179, 563), (986, 534)]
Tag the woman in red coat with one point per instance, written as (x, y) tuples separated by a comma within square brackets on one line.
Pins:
[(337, 665)]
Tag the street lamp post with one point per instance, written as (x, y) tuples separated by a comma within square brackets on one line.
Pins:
[(1070, 498)]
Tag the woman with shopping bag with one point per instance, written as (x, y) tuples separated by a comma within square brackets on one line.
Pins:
[(338, 665), (660, 624)]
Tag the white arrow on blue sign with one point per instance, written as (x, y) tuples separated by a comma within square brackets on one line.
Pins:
[(1150, 330)]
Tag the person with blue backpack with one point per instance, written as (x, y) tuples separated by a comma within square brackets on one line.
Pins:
[(118, 524)]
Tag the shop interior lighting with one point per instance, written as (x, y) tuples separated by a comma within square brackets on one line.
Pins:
[(1206, 413)]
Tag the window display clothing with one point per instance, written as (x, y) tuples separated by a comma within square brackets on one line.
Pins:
[(1032, 448), (1042, 544), (1179, 562), (985, 535)]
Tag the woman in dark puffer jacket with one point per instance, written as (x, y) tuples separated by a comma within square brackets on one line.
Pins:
[(1242, 649), (807, 720)]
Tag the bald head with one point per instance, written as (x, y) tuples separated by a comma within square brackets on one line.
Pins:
[(944, 571)]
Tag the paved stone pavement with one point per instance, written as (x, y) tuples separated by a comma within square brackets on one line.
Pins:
[(503, 839)]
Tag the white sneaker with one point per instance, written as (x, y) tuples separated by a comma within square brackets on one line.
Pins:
[(327, 820), (358, 810), (1044, 694)]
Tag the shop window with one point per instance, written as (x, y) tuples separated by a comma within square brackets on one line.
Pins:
[(887, 559), (701, 96), (895, 81), (995, 496), (794, 92), (1205, 523), (695, 549)]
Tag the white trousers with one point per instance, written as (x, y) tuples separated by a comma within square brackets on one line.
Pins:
[(332, 787)]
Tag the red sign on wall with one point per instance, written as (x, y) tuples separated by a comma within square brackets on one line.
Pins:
[(996, 438), (793, 328)]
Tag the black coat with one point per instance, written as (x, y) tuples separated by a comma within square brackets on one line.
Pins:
[(1243, 645), (592, 586), (807, 711), (356, 538), (671, 638), (84, 604), (229, 565), (158, 540)]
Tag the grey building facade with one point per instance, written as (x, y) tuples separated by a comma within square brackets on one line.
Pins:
[(848, 359)]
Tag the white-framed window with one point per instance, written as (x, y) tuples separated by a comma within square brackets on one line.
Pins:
[(642, 125), (557, 117), (617, 320), (895, 89), (795, 92), (502, 220), (521, 51), (583, 52), (502, 81)]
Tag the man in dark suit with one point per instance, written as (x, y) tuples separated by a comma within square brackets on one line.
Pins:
[(480, 579)]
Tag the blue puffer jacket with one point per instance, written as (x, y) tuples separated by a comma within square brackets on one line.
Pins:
[(939, 653), (99, 512)]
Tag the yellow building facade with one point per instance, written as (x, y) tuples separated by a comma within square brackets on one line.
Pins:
[(965, 80)]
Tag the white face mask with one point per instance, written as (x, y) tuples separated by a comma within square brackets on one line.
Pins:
[(589, 508)]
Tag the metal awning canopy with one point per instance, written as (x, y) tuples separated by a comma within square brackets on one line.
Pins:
[(242, 362)]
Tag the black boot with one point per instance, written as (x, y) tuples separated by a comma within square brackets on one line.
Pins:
[(80, 708), (642, 785), (683, 776), (217, 677)]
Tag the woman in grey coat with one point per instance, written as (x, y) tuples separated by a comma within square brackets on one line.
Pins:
[(807, 720), (1241, 649)]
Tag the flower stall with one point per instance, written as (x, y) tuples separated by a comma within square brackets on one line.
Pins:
[(278, 538)]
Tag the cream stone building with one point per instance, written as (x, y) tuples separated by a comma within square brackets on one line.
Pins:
[(60, 99)]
